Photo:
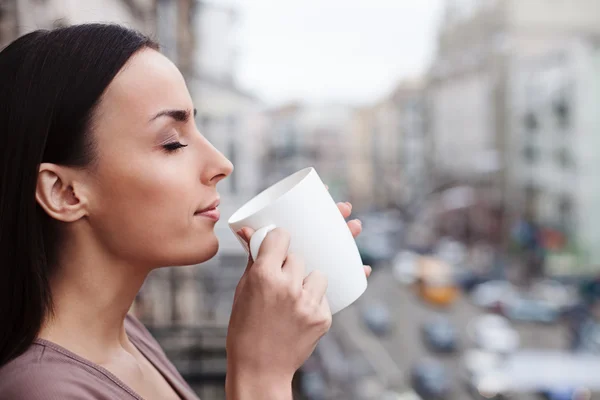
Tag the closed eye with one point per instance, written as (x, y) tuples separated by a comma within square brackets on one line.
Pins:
[(173, 146)]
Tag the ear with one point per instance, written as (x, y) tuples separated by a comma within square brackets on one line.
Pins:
[(57, 193)]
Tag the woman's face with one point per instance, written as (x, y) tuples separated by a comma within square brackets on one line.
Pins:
[(155, 172)]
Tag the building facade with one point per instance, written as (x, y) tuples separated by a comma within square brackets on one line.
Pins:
[(410, 99), (553, 146), (309, 135), (361, 176), (469, 77), (389, 152)]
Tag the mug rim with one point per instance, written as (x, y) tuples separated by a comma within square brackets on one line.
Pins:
[(242, 213)]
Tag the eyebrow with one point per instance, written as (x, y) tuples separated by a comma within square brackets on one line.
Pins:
[(177, 115)]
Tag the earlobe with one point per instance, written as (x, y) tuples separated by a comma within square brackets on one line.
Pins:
[(55, 193)]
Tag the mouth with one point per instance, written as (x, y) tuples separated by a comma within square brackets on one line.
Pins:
[(211, 212)]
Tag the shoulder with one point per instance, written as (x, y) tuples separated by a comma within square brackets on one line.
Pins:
[(143, 339), (43, 373), (149, 346), (135, 328), (41, 381), (140, 334)]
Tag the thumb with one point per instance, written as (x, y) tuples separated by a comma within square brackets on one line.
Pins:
[(245, 234)]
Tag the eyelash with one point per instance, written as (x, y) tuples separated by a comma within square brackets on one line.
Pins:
[(174, 146)]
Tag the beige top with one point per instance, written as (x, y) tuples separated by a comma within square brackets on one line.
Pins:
[(47, 371)]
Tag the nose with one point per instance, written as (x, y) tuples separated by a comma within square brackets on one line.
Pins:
[(216, 167)]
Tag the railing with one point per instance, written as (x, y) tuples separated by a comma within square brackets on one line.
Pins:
[(198, 352)]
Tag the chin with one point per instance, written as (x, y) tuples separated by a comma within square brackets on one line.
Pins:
[(202, 253), (209, 253), (190, 252)]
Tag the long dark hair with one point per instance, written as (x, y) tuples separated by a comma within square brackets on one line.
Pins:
[(50, 85)]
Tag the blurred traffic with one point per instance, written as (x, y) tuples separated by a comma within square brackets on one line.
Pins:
[(448, 337)]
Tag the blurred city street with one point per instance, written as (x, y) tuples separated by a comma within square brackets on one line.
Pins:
[(393, 355)]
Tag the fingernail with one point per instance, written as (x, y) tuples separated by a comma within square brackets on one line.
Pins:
[(349, 205), (369, 268), (359, 221)]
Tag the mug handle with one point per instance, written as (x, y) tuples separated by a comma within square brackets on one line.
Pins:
[(257, 238)]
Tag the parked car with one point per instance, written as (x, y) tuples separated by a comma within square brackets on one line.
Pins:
[(469, 280), (311, 380), (451, 251), (405, 267), (440, 335), (551, 373), (589, 337), (435, 283), (566, 393), (410, 395), (530, 310), (577, 319), (490, 295), (430, 380), (475, 360), (313, 385), (377, 318), (375, 247), (380, 237), (555, 294), (493, 333)]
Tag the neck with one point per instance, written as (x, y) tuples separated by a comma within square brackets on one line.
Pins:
[(92, 291)]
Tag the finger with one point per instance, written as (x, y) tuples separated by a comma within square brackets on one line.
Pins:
[(368, 270), (325, 306), (274, 249), (295, 267), (355, 227), (245, 234), (316, 284), (345, 209)]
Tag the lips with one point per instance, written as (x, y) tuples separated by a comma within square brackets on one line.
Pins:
[(211, 212)]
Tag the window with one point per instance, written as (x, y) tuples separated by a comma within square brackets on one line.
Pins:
[(530, 153), (531, 122), (564, 158), (565, 207), (562, 113)]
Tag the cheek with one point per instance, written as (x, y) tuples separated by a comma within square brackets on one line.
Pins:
[(150, 193), (146, 210)]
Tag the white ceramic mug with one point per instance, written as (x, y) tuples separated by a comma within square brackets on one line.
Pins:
[(302, 205)]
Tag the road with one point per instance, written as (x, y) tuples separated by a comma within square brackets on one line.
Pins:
[(389, 358)]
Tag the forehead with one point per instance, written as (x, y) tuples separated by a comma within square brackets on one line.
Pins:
[(149, 82)]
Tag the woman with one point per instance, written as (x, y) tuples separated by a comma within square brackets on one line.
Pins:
[(103, 178)]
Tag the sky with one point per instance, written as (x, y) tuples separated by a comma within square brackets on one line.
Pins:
[(349, 51)]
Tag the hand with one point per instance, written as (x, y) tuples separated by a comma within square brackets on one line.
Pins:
[(278, 317), (354, 225)]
